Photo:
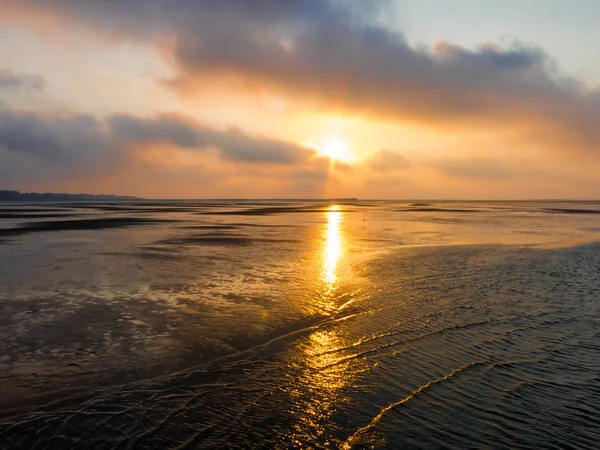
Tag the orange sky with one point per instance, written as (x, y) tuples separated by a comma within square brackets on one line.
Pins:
[(204, 99)]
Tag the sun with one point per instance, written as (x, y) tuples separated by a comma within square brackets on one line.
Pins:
[(333, 148)]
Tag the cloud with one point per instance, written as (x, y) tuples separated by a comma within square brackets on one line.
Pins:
[(36, 147), (330, 55), (144, 19), (52, 138), (232, 143), (387, 161), (11, 80), (73, 136)]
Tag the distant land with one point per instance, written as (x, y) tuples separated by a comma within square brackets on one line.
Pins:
[(16, 196)]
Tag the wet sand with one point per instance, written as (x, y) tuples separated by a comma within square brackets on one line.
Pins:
[(222, 325)]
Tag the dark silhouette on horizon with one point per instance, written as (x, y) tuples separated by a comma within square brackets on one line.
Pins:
[(16, 196)]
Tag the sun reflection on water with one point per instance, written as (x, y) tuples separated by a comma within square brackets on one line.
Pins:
[(333, 247), (319, 391), (326, 370)]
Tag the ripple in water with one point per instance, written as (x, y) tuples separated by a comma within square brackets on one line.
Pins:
[(442, 347)]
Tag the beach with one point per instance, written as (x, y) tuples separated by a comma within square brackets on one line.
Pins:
[(233, 324)]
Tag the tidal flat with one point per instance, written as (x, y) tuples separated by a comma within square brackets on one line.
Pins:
[(191, 324)]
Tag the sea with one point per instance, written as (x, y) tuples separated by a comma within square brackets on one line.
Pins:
[(300, 324)]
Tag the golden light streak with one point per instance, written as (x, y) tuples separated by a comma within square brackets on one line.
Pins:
[(333, 247), (319, 390)]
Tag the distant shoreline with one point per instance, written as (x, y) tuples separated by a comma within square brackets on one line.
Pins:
[(16, 196)]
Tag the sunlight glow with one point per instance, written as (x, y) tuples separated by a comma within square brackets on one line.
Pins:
[(333, 148), (333, 246)]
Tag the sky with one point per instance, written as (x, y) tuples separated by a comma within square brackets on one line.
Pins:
[(404, 99)]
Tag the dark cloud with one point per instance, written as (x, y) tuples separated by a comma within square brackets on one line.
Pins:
[(233, 143), (365, 69), (172, 129), (370, 70), (37, 145), (37, 148), (387, 161), (151, 18), (52, 138), (11, 80)]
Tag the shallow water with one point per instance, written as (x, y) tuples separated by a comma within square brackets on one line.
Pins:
[(438, 325)]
